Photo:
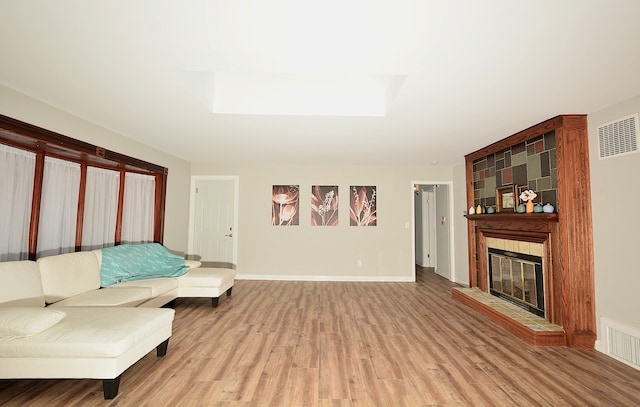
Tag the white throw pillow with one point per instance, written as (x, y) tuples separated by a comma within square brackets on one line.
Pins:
[(27, 321)]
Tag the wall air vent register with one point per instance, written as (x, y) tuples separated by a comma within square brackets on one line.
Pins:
[(619, 137)]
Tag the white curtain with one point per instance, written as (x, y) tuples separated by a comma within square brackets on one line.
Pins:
[(100, 208), (17, 169), (138, 211), (58, 207)]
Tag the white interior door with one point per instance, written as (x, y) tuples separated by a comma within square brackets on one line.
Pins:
[(213, 219)]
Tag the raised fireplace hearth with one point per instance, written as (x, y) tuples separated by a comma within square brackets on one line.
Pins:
[(524, 250)]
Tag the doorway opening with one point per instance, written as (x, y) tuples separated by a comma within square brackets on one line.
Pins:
[(432, 227)]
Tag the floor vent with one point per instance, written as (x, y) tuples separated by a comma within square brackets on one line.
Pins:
[(622, 342), (619, 137)]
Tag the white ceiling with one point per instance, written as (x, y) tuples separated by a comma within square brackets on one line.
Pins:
[(463, 73)]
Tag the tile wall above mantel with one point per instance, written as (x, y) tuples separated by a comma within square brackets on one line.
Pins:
[(529, 164)]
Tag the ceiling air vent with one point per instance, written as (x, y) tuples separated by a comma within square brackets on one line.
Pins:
[(619, 137)]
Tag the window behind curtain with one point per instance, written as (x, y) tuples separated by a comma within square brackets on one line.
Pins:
[(100, 208), (17, 169), (138, 211), (59, 207)]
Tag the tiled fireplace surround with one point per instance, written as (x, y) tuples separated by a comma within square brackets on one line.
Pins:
[(565, 237), (527, 234)]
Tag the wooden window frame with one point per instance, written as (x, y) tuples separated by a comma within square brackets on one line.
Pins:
[(44, 142)]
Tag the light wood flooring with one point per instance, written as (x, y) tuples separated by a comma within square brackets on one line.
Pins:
[(277, 343)]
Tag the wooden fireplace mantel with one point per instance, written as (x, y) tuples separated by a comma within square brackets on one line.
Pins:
[(567, 235)]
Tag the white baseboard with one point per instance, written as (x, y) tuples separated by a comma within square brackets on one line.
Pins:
[(600, 347), (387, 279)]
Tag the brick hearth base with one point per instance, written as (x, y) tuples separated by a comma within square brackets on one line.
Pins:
[(533, 329)]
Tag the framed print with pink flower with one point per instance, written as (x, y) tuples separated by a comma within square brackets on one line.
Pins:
[(284, 205), (362, 206), (324, 205)]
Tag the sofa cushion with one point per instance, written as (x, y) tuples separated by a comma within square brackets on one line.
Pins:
[(158, 286), (21, 284), (27, 321), (193, 264), (123, 297), (91, 333), (69, 274), (207, 277)]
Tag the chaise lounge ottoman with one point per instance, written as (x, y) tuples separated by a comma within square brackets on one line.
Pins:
[(38, 342), (88, 343), (206, 282)]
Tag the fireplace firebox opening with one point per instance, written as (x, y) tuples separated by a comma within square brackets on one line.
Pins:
[(517, 278)]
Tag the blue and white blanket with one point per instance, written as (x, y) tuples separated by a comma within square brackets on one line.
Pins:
[(138, 262)]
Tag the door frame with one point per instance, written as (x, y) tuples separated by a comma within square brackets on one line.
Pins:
[(192, 206), (452, 254)]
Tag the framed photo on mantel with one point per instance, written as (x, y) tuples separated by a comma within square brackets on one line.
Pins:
[(506, 198)]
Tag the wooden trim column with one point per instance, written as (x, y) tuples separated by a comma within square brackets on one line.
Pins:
[(576, 233), (80, 214), (160, 198), (35, 205)]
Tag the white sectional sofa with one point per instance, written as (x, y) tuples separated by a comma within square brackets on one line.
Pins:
[(57, 322), (73, 279)]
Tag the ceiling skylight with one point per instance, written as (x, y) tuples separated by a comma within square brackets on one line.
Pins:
[(296, 57)]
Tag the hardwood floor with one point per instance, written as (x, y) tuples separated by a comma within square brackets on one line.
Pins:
[(276, 343)]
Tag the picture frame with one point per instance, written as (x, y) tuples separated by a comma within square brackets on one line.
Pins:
[(506, 198), (363, 206)]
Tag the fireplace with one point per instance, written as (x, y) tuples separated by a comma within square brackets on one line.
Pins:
[(565, 236), (517, 278), (526, 246)]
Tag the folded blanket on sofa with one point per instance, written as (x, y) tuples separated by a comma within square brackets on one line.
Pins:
[(138, 262)]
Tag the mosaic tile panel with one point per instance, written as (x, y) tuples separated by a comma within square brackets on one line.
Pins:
[(531, 163)]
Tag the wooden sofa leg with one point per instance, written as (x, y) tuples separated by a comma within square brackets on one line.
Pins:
[(214, 302), (110, 387), (229, 291), (171, 304), (161, 349)]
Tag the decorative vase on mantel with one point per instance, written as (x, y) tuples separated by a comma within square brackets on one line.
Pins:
[(537, 208), (529, 206)]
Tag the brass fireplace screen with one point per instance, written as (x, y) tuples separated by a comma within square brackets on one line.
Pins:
[(517, 278)]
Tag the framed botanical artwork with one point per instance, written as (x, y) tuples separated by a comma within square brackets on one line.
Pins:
[(506, 198), (363, 206), (284, 205), (324, 205)]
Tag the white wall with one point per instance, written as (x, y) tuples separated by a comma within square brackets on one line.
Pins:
[(615, 201), (326, 253), (461, 271), (29, 110), (443, 234)]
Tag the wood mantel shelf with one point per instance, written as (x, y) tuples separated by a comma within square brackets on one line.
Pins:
[(520, 217)]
